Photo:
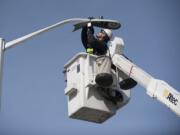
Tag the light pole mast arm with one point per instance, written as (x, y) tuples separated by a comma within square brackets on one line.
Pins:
[(38, 32)]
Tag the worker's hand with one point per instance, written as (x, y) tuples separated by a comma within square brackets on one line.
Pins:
[(89, 25)]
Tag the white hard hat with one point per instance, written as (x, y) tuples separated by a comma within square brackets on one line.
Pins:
[(108, 32)]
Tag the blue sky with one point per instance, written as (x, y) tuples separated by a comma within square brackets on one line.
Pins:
[(33, 100)]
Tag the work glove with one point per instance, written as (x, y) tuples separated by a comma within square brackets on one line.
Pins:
[(89, 25)]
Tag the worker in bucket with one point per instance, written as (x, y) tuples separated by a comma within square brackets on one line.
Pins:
[(98, 45)]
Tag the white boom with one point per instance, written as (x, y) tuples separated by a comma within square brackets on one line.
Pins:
[(155, 88)]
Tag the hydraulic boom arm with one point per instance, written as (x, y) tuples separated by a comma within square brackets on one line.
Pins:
[(155, 88)]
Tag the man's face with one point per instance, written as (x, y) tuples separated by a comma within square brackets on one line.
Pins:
[(101, 35)]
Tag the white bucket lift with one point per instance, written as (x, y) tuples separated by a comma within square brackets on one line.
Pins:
[(85, 100)]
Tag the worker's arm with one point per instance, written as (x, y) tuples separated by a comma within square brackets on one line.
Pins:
[(90, 36), (84, 37), (155, 88)]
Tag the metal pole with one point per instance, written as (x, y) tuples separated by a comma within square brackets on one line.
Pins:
[(2, 45), (38, 32)]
